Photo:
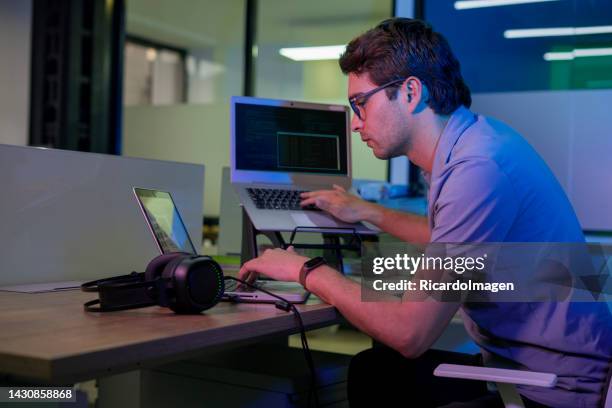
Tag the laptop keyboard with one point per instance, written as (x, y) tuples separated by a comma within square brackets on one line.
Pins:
[(278, 199)]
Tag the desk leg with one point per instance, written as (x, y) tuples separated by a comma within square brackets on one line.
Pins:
[(120, 390)]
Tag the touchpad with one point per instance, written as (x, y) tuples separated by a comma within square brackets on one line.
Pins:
[(313, 219)]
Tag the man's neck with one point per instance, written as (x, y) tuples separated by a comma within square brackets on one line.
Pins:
[(426, 139)]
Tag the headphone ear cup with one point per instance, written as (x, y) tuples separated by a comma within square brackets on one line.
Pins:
[(168, 275), (157, 265), (197, 284)]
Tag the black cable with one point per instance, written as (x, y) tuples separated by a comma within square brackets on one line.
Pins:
[(286, 306)]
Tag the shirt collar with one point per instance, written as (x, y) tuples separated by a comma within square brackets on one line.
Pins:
[(460, 120)]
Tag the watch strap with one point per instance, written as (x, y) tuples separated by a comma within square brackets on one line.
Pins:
[(309, 266)]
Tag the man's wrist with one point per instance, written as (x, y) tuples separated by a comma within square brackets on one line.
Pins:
[(373, 213), (308, 267)]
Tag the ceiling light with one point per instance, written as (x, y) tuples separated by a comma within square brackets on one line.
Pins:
[(592, 52), (559, 56), (578, 53), (330, 52), (557, 31), (470, 4)]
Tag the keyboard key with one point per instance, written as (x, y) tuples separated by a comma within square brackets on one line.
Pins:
[(278, 199)]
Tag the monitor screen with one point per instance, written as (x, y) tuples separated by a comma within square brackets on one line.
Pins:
[(164, 221), (290, 139)]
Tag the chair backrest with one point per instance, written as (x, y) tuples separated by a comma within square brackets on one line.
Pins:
[(607, 397)]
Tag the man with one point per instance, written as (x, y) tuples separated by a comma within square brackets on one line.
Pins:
[(486, 185)]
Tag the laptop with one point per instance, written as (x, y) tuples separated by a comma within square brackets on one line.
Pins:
[(168, 230), (281, 148)]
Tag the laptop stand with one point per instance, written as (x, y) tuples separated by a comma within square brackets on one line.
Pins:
[(332, 245)]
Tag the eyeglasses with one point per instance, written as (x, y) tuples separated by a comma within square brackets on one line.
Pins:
[(358, 101)]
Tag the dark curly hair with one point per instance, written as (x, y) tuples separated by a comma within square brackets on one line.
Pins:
[(401, 47)]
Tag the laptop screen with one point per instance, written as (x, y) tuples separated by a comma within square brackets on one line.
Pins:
[(164, 221), (290, 139)]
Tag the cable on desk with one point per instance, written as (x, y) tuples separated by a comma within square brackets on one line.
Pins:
[(285, 305)]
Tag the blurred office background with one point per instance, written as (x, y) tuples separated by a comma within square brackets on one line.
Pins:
[(152, 78)]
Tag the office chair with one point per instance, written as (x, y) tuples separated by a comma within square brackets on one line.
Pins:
[(507, 379)]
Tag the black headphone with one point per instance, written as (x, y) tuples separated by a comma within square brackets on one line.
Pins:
[(186, 283)]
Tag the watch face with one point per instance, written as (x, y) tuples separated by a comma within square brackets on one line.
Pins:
[(314, 262)]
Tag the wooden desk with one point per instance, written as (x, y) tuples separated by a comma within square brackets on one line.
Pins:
[(49, 338)]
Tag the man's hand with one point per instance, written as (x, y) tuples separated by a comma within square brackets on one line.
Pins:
[(338, 203), (275, 263)]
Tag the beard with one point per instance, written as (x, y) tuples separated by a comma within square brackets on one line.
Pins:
[(395, 150)]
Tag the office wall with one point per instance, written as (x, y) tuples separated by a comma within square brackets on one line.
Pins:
[(15, 28), (186, 133), (572, 131)]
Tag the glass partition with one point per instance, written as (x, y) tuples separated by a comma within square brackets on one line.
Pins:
[(179, 84)]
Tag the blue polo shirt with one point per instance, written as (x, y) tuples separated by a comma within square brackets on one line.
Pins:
[(489, 185)]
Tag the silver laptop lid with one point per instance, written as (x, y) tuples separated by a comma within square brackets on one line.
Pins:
[(164, 221), (276, 141)]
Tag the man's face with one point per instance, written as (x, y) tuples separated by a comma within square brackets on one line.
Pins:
[(383, 125)]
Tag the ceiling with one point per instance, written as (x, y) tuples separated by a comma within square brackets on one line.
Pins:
[(204, 23)]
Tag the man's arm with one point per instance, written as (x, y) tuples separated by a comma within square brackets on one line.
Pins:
[(410, 327), (349, 208), (408, 227)]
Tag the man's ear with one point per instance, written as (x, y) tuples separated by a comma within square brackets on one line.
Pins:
[(409, 90), (412, 88), (415, 88)]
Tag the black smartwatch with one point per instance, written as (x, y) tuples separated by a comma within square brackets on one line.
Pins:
[(309, 266)]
